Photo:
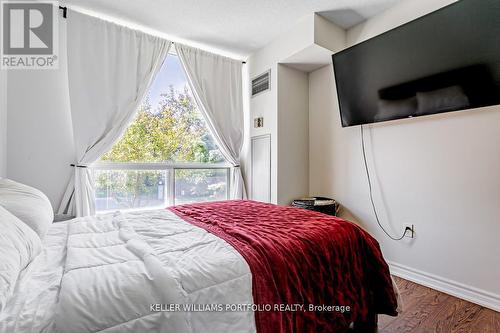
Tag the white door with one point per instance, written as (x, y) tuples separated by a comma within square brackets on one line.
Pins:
[(261, 168)]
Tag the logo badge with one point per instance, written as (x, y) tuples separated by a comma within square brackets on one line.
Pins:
[(29, 35)]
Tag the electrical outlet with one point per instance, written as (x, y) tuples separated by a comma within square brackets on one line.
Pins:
[(410, 231)]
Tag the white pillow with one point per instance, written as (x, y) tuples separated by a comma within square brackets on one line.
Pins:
[(28, 204), (19, 245)]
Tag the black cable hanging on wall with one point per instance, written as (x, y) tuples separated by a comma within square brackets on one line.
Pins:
[(371, 190)]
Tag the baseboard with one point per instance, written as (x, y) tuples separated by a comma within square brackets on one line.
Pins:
[(468, 293)]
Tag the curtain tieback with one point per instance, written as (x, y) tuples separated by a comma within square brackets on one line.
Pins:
[(79, 166)]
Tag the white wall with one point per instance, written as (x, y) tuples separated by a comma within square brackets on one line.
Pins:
[(266, 104), (284, 107), (40, 139), (3, 123), (403, 12), (440, 173), (293, 134)]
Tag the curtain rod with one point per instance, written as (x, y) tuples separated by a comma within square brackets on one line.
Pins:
[(65, 15)]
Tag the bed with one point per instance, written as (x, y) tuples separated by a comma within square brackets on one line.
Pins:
[(234, 266)]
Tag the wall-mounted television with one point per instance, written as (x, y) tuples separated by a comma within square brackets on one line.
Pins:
[(445, 61)]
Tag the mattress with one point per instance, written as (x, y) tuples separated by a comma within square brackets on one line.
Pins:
[(119, 272)]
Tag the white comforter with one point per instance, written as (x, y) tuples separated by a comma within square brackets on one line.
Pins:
[(103, 274)]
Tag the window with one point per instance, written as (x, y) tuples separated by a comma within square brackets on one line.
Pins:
[(166, 156)]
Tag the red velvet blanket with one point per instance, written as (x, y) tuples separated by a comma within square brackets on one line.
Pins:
[(301, 257)]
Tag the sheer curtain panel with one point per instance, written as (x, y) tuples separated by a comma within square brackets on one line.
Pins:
[(110, 68), (216, 83)]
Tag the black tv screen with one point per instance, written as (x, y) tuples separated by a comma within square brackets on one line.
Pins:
[(448, 60)]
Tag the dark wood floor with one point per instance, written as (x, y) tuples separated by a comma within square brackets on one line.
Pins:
[(428, 310)]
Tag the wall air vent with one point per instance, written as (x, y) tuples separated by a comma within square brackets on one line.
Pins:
[(261, 83)]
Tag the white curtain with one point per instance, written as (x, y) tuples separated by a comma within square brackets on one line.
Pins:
[(216, 83), (110, 68)]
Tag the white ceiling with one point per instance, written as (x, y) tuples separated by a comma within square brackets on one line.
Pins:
[(233, 27)]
